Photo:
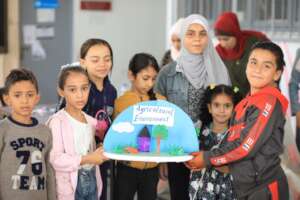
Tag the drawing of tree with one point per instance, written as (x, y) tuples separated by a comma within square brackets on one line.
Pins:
[(159, 132)]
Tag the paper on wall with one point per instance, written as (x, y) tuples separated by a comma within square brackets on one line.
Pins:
[(29, 34), (37, 51), (45, 15), (30, 39)]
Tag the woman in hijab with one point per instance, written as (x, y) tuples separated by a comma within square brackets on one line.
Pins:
[(174, 40), (234, 47), (182, 82)]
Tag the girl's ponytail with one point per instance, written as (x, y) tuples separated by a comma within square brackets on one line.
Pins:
[(151, 95)]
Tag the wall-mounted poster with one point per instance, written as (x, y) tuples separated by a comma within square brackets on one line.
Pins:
[(152, 131), (96, 5)]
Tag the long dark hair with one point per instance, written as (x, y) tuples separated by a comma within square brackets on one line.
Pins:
[(141, 61), (210, 93)]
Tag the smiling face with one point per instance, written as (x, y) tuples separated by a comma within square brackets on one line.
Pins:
[(143, 81), (97, 62), (221, 108), (22, 97), (195, 39), (75, 91), (262, 70)]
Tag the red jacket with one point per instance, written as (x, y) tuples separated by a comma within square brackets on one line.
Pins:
[(254, 141)]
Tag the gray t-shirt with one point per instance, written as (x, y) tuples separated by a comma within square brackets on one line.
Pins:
[(25, 171)]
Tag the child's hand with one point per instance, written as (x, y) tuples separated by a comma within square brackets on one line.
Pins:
[(99, 151), (163, 171), (223, 169), (197, 162), (94, 158)]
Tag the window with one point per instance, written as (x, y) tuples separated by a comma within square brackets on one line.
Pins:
[(206, 9), (272, 16), (271, 10), (297, 12)]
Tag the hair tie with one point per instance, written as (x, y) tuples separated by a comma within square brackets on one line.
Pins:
[(212, 86), (74, 64), (235, 89)]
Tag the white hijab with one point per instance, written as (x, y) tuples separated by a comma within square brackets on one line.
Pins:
[(203, 69), (175, 30)]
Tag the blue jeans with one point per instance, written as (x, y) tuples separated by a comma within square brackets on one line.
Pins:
[(86, 185)]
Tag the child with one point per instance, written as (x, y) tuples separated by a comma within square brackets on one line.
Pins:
[(73, 156), (25, 170), (138, 176), (96, 57), (216, 110), (255, 138)]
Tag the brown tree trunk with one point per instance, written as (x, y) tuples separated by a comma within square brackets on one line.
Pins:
[(158, 145)]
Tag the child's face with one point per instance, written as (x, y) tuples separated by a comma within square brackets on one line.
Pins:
[(195, 39), (97, 61), (262, 69), (22, 97), (76, 91), (221, 108), (143, 81)]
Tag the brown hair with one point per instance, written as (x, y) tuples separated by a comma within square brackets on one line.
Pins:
[(93, 42), (66, 71), (17, 75)]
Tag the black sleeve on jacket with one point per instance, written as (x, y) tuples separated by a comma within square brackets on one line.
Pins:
[(258, 128)]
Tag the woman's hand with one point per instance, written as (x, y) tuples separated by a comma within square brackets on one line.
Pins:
[(197, 162)]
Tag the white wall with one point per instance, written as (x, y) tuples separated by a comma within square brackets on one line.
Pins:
[(131, 26)]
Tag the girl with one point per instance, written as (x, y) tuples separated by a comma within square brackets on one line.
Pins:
[(183, 83), (73, 156), (216, 110), (96, 57), (138, 176)]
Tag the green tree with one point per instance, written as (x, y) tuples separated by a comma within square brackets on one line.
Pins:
[(159, 132)]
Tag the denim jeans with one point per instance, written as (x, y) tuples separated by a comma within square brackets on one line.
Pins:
[(86, 185)]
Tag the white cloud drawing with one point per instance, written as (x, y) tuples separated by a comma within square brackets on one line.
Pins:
[(123, 127)]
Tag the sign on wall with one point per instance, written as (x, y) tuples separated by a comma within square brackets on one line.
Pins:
[(95, 4)]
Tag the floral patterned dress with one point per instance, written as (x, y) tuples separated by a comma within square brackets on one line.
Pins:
[(208, 183)]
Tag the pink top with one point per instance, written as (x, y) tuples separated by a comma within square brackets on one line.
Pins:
[(64, 159)]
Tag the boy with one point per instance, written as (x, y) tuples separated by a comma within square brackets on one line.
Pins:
[(25, 171), (255, 137)]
